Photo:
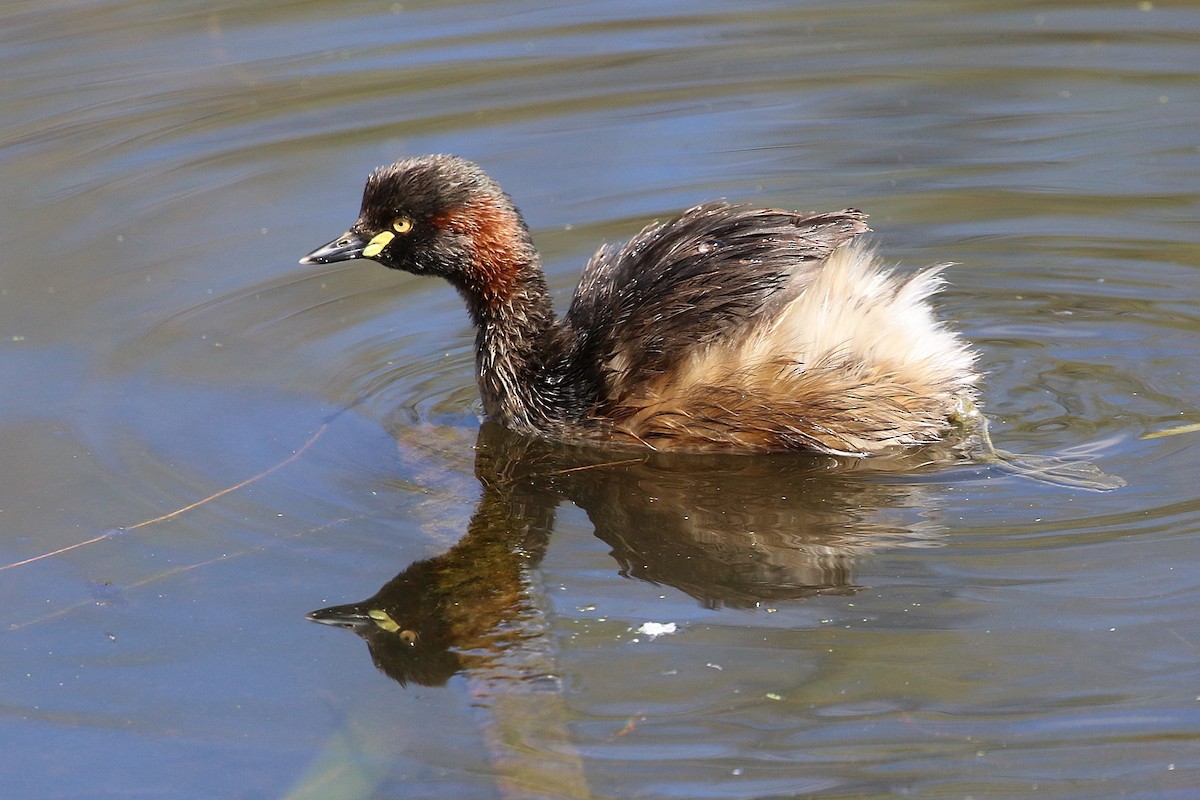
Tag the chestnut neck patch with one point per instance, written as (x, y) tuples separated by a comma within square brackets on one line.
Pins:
[(501, 246)]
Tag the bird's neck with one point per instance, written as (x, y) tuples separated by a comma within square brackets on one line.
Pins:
[(518, 349), (520, 346)]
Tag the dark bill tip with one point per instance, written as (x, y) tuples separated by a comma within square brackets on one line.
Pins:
[(349, 616), (346, 247)]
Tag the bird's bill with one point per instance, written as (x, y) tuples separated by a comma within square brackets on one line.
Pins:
[(351, 617), (347, 247)]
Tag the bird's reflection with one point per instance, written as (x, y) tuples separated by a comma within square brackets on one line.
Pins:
[(727, 530)]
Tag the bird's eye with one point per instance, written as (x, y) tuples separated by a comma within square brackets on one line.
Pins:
[(402, 224)]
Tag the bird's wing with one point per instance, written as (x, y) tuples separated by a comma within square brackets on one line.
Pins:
[(707, 274)]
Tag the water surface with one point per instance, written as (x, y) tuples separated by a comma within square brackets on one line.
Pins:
[(836, 633)]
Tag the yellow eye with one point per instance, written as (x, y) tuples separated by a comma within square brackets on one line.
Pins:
[(402, 225)]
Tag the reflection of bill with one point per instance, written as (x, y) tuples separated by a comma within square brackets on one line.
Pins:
[(727, 530)]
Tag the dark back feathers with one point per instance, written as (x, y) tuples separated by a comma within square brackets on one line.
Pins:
[(702, 276)]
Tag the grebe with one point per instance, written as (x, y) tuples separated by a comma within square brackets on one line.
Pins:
[(728, 327)]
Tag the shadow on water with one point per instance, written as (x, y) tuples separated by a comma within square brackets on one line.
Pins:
[(731, 531)]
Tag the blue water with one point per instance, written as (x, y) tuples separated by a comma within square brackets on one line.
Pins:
[(953, 633)]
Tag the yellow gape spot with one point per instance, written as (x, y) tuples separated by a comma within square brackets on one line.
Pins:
[(376, 245), (381, 617)]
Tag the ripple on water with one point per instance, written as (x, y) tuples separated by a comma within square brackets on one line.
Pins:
[(955, 632)]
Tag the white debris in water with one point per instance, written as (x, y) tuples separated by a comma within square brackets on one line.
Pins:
[(654, 629)]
